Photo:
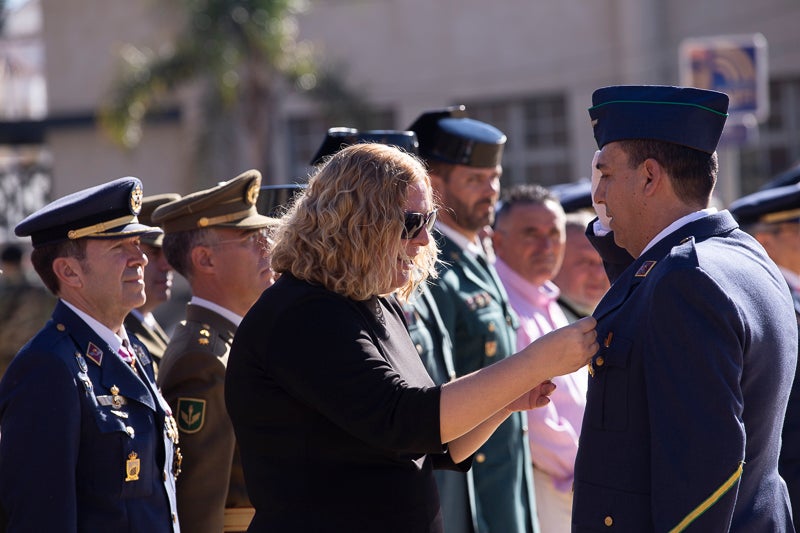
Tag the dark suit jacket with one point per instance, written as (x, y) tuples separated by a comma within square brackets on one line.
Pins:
[(66, 450), (337, 419), (192, 379), (154, 339), (683, 417)]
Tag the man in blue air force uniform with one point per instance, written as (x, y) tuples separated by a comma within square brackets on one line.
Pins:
[(86, 441), (698, 336), (464, 159)]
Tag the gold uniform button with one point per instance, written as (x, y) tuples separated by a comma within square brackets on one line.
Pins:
[(174, 517), (599, 361), (419, 348), (165, 476), (480, 457), (60, 327), (608, 521)]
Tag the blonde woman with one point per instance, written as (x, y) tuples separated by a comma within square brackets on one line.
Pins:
[(339, 425)]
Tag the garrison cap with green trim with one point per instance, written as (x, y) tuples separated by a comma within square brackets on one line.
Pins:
[(449, 136), (231, 204), (107, 211), (770, 206), (149, 204), (681, 115), (338, 138)]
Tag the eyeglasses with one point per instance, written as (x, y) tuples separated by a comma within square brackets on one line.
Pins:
[(256, 239), (414, 222)]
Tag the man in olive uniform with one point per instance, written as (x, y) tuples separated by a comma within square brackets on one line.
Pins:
[(88, 443), (464, 160), (772, 216), (218, 241), (157, 285)]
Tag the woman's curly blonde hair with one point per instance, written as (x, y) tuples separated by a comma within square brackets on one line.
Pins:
[(344, 231)]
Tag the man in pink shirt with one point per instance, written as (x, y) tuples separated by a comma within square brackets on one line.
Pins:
[(528, 240)]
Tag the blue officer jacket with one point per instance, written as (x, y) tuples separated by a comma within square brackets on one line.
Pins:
[(85, 444), (688, 390), (475, 311)]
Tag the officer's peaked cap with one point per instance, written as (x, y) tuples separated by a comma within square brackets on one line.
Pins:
[(107, 211), (449, 136), (681, 115), (150, 204), (779, 204), (231, 204), (574, 196)]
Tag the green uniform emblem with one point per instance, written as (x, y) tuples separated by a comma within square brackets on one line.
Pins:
[(191, 414)]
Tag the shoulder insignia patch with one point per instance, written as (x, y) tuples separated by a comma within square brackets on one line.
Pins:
[(191, 414), (645, 269), (94, 353)]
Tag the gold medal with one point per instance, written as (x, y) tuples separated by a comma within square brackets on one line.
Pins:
[(132, 467)]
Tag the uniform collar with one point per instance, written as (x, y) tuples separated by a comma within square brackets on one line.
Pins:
[(225, 313), (473, 247), (114, 340)]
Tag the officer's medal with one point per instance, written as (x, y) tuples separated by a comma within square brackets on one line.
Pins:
[(132, 467)]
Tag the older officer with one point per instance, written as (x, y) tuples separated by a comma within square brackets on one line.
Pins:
[(157, 285), (698, 335), (430, 336), (216, 239), (772, 216), (88, 444), (463, 156)]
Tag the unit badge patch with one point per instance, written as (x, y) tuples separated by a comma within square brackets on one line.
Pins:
[(645, 269), (191, 414)]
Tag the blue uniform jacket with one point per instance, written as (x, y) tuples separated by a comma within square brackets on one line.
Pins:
[(85, 445), (475, 311), (698, 348)]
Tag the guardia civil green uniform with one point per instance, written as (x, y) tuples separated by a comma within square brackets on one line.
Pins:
[(475, 312)]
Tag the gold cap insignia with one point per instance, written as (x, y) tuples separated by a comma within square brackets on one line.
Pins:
[(136, 200), (252, 192)]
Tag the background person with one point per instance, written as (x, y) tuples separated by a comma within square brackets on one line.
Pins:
[(24, 306), (698, 335), (581, 279), (338, 421), (464, 160), (157, 285), (216, 239), (88, 443), (772, 216), (529, 240)]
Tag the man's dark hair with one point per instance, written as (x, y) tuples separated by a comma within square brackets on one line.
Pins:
[(524, 194), (42, 260), (693, 172), (178, 247)]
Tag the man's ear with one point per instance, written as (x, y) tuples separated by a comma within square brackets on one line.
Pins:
[(202, 258), (68, 271), (654, 176)]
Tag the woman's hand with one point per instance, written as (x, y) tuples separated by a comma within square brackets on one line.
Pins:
[(566, 349), (539, 396)]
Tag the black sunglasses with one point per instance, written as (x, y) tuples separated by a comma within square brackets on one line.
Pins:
[(414, 222)]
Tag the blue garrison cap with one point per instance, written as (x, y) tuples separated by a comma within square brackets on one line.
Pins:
[(449, 136), (574, 196), (338, 138), (787, 177), (680, 115), (102, 212), (770, 206)]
